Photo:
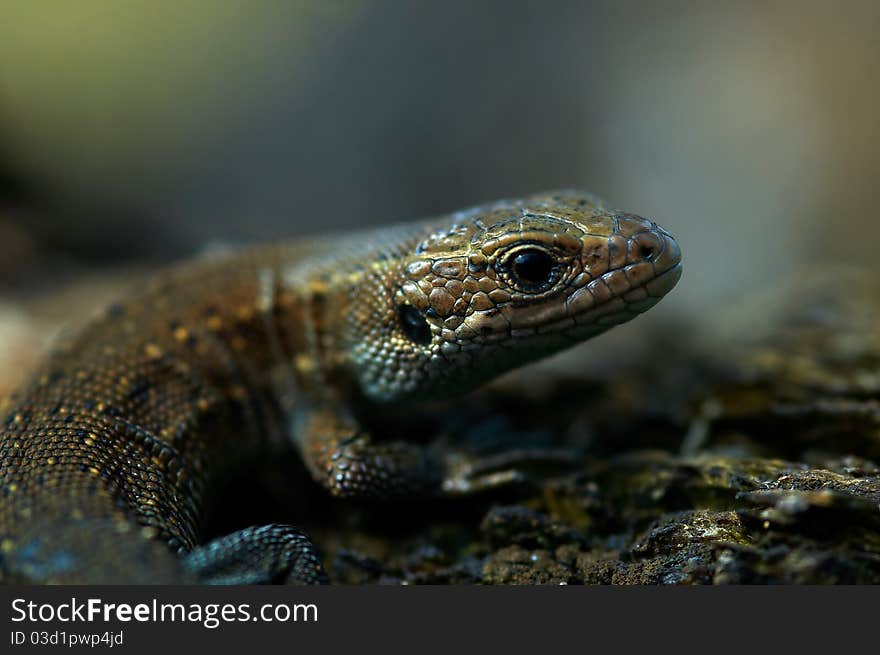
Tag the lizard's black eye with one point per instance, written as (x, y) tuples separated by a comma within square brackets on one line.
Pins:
[(532, 268), (414, 325)]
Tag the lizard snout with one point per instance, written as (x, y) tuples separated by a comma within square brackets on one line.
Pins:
[(662, 251)]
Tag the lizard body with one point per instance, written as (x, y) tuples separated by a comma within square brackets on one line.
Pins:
[(108, 458)]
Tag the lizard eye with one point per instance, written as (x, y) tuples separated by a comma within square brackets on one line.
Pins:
[(414, 325), (532, 268)]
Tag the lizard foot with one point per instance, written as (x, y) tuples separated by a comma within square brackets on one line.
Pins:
[(466, 474)]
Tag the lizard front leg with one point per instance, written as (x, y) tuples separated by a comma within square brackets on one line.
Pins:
[(342, 456)]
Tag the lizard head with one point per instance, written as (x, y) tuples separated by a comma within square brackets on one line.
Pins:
[(504, 284)]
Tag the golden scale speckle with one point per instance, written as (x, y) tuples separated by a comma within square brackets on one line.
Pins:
[(153, 351), (305, 364)]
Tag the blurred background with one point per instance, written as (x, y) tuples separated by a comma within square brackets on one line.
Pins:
[(134, 133)]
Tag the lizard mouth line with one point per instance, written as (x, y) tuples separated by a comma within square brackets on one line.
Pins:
[(622, 307), (616, 308), (635, 300), (665, 281), (585, 314)]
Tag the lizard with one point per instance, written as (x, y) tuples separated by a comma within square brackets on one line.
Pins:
[(108, 457)]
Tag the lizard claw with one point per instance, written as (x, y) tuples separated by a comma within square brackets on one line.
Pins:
[(468, 474), (466, 484)]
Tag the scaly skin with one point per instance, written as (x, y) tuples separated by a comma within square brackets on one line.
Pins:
[(108, 458)]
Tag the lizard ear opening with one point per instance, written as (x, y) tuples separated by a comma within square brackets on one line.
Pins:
[(414, 325)]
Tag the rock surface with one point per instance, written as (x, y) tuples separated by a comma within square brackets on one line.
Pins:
[(745, 456)]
